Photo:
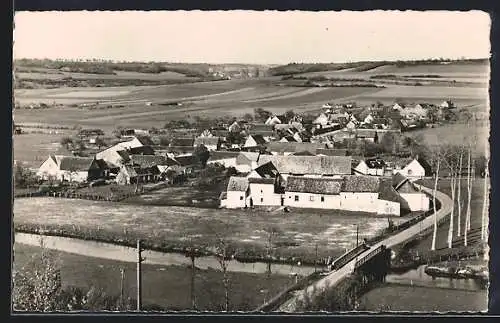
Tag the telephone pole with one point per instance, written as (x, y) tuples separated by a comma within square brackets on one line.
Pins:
[(140, 259), (122, 272)]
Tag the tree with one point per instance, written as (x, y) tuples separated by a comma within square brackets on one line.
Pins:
[(261, 115), (248, 117), (469, 194), (389, 143), (99, 142), (437, 156), (66, 142), (289, 115), (459, 191), (202, 155)]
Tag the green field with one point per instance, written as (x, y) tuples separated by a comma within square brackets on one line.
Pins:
[(166, 286)]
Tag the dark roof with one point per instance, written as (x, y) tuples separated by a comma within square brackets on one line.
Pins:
[(331, 152), (143, 150), (182, 141), (218, 154), (261, 180), (206, 141), (259, 139), (322, 131), (145, 140), (146, 161), (398, 179), (267, 170), (320, 165), (375, 163), (256, 127), (304, 153), (426, 166), (313, 185), (238, 184), (72, 163), (366, 133), (293, 147), (187, 160), (290, 139), (360, 184), (388, 193), (180, 149), (263, 133)]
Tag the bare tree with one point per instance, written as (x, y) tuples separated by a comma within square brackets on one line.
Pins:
[(484, 216), (459, 189), (452, 165), (469, 195)]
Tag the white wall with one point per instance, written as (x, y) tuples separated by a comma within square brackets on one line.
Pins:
[(360, 202), (388, 208), (263, 194), (236, 200), (243, 168), (416, 201), (48, 168), (330, 201)]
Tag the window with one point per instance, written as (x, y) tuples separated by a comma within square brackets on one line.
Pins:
[(311, 198), (241, 198), (410, 171), (322, 199), (261, 192), (296, 198), (261, 200)]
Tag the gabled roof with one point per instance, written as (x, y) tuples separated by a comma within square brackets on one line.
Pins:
[(182, 141), (322, 131), (360, 184), (145, 140), (261, 180), (388, 193), (259, 139), (246, 157), (219, 155), (72, 163), (207, 141), (313, 185), (331, 152), (147, 161), (256, 127), (267, 170), (237, 184), (179, 149), (186, 160), (293, 147), (320, 165), (142, 150), (398, 179)]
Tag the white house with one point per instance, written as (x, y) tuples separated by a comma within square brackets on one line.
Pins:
[(447, 104), (322, 120), (412, 170), (263, 192), (369, 118), (417, 200), (254, 141), (272, 120), (373, 167), (398, 106), (237, 193), (246, 161), (70, 168)]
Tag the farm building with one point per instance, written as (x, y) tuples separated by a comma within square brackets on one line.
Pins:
[(372, 167), (311, 166), (367, 134), (417, 168), (272, 120), (267, 170), (266, 131), (133, 175), (71, 169), (416, 200), (351, 193), (212, 143), (225, 158), (264, 192), (246, 161), (237, 193), (288, 148)]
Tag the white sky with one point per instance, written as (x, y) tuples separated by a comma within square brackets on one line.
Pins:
[(268, 37)]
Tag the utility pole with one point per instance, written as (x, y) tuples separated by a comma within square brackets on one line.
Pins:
[(122, 272), (140, 259)]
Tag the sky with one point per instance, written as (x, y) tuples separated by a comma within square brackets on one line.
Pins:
[(265, 37)]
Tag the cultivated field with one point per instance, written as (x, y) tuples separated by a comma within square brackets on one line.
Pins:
[(33, 149), (300, 230)]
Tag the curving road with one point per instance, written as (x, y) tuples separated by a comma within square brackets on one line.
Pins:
[(332, 279)]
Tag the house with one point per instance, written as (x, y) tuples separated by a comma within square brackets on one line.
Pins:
[(414, 112), (369, 118), (116, 155), (235, 127), (237, 193), (263, 192), (151, 167), (350, 193), (380, 123), (179, 150), (266, 131), (416, 200), (224, 158), (187, 163), (267, 170), (448, 104), (254, 141), (367, 134), (272, 120), (246, 161), (398, 106), (372, 167), (322, 120), (311, 166), (182, 142), (288, 148), (143, 150), (71, 169), (417, 168), (326, 131), (211, 143), (351, 125)]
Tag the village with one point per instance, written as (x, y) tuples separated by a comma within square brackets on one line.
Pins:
[(343, 158)]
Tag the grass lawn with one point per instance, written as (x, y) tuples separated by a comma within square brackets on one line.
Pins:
[(170, 228), (424, 299), (166, 286)]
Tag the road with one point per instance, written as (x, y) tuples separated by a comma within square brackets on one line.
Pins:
[(336, 276)]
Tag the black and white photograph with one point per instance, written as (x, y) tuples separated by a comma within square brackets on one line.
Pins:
[(250, 161)]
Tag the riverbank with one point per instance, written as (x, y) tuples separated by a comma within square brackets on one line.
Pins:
[(166, 286)]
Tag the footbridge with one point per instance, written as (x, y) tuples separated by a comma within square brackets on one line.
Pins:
[(371, 262)]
